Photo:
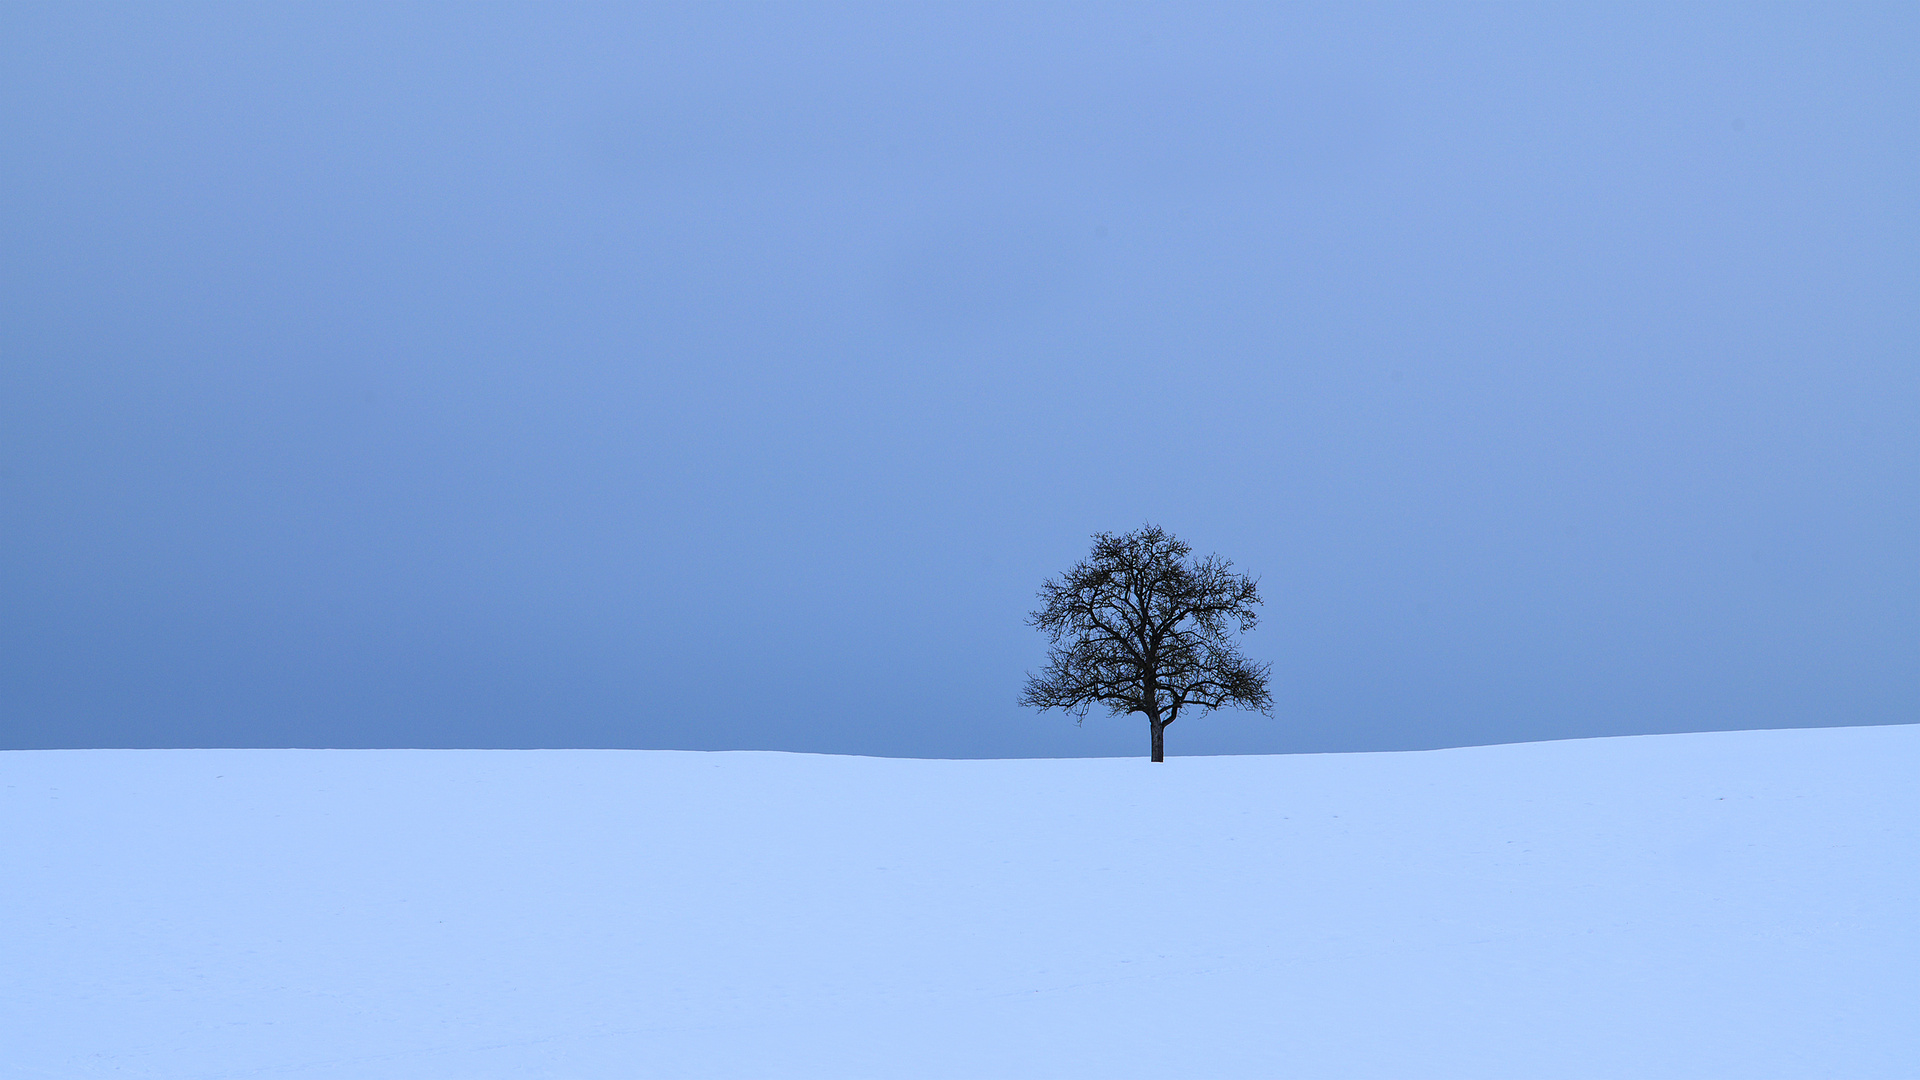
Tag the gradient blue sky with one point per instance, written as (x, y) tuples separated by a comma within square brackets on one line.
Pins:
[(730, 377)]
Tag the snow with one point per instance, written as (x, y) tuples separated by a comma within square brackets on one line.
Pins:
[(1720, 905)]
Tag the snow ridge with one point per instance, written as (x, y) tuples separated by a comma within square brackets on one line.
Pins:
[(1737, 904)]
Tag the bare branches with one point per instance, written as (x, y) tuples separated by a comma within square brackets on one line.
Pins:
[(1140, 629)]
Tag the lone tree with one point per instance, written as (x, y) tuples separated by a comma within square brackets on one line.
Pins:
[(1140, 629)]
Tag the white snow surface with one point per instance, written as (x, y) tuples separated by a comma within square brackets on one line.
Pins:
[(1736, 904)]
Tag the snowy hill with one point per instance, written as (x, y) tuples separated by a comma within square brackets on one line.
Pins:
[(1721, 905)]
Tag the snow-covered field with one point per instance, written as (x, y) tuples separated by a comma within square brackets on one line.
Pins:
[(1723, 905)]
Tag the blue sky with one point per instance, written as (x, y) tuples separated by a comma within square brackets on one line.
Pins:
[(730, 377)]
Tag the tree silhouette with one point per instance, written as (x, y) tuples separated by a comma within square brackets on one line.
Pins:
[(1140, 629)]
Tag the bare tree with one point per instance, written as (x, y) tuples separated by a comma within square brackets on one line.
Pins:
[(1140, 629)]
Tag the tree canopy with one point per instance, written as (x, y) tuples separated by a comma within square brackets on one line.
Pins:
[(1140, 628)]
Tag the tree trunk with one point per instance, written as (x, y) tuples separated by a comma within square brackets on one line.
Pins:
[(1159, 738)]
